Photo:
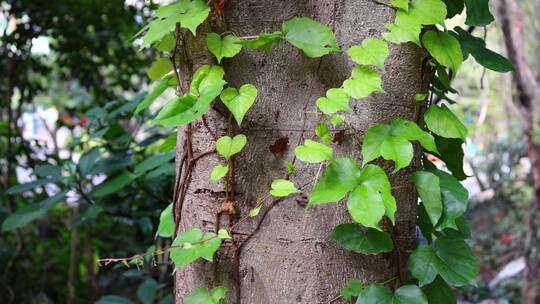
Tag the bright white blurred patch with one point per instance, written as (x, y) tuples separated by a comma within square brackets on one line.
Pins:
[(40, 46)]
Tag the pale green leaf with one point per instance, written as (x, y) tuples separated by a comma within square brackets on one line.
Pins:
[(335, 100), (402, 4), (207, 82), (218, 293), (159, 68), (223, 234), (166, 223), (255, 211), (313, 152), (411, 131), (337, 120), (397, 149), (321, 130), (282, 187), (312, 37), (227, 146), (363, 82), (372, 51), (189, 13), (218, 173), (239, 101), (373, 140), (366, 206), (191, 247), (223, 48)]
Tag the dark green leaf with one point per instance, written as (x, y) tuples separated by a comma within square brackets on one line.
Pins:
[(451, 152), (455, 198), (112, 299), (153, 162), (147, 291), (88, 161), (32, 185), (478, 13), (367, 241), (477, 48), (23, 216), (452, 259), (113, 185), (438, 292), (454, 7)]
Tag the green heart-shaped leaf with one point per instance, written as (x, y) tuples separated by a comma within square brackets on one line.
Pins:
[(227, 47), (239, 102), (335, 100), (227, 146)]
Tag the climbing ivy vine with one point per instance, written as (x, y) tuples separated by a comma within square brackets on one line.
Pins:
[(445, 261)]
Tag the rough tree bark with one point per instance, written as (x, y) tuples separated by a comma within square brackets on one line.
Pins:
[(527, 90), (291, 258)]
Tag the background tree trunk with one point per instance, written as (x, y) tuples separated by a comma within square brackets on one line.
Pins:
[(527, 90), (291, 258)]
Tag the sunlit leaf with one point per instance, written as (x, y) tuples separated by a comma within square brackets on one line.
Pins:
[(227, 146), (223, 48)]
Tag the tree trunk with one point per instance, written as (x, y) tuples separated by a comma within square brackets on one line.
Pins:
[(291, 258), (527, 90)]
